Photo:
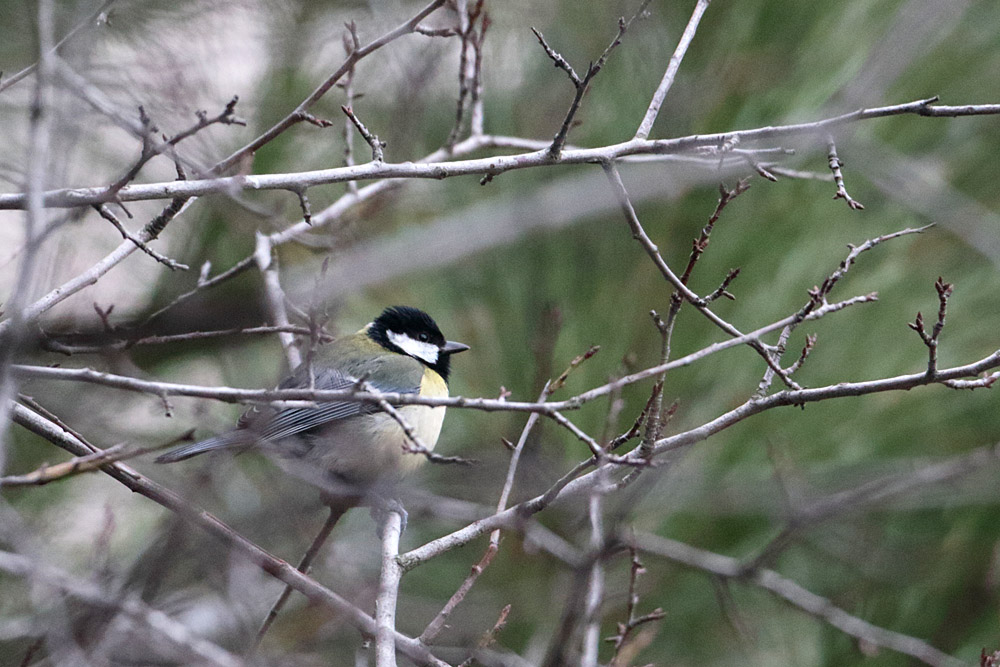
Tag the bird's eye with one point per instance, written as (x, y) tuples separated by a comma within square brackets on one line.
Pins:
[(424, 337)]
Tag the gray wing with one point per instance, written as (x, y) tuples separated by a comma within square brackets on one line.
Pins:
[(293, 421), (266, 424)]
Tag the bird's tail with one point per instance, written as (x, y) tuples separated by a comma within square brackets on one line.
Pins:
[(230, 440)]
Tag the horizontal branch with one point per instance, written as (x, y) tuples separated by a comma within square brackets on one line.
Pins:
[(296, 397), (841, 390), (278, 397), (52, 342), (68, 198), (305, 397)]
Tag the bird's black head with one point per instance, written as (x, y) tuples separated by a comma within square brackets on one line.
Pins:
[(412, 332)]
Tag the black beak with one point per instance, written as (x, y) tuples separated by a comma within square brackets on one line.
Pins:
[(451, 347)]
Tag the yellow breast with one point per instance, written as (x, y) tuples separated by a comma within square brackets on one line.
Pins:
[(363, 449)]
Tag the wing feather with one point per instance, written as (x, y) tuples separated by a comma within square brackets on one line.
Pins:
[(293, 421)]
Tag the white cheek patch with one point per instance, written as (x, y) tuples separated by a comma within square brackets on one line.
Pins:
[(427, 352)]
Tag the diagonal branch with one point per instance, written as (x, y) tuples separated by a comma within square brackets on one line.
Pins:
[(93, 18), (300, 113), (639, 234), (838, 176), (791, 592), (105, 212), (275, 567), (198, 648), (668, 77), (582, 84)]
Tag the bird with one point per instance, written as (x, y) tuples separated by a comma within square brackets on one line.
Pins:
[(354, 446)]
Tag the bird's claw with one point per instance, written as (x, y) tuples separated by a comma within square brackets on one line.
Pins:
[(384, 507)]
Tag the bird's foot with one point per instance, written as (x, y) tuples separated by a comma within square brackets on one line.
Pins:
[(383, 507)]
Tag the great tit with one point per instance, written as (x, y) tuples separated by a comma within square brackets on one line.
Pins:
[(354, 445)]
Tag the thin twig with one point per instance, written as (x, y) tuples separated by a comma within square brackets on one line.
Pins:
[(838, 176), (296, 115), (581, 84), (92, 19), (632, 621), (376, 144), (171, 264), (76, 465), (591, 618), (944, 291), (150, 150), (416, 444), (267, 263), (571, 483), (466, 30), (672, 67), (351, 43), (51, 342), (477, 119), (489, 637), (336, 511), (305, 397), (639, 234), (98, 270), (438, 623)]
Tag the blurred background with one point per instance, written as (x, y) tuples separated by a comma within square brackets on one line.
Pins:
[(531, 269)]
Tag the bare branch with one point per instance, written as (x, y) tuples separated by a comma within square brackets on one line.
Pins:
[(438, 623), (388, 591), (97, 17), (68, 198), (639, 234), (632, 622), (76, 465), (838, 176), (94, 273), (944, 291), (275, 567), (489, 637), (106, 213), (267, 264), (198, 648), (297, 115), (672, 67), (581, 84), (336, 511), (797, 596), (52, 343), (469, 69), (595, 582), (304, 397), (570, 483), (417, 445), (376, 144)]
